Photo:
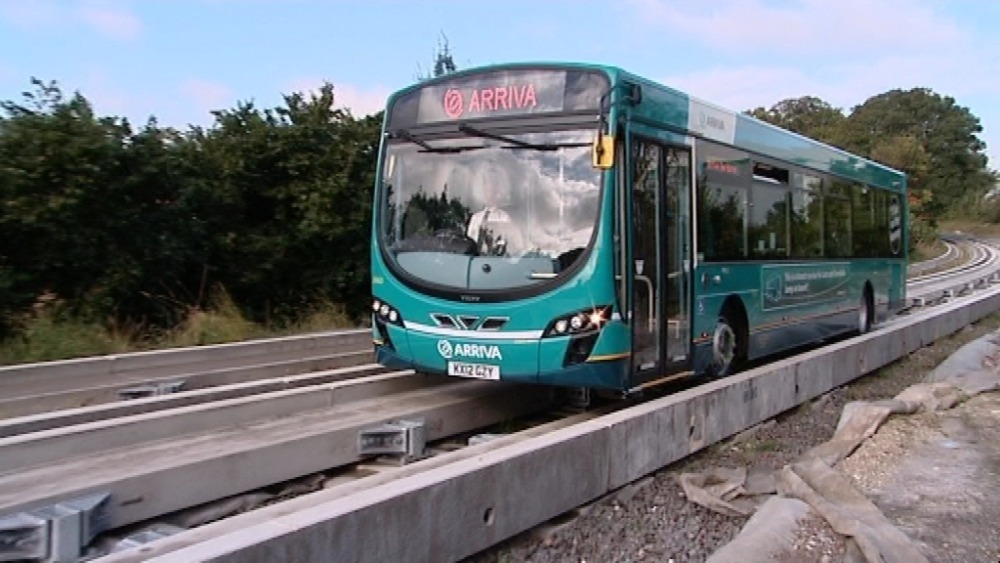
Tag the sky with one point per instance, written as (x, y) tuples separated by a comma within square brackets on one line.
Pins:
[(178, 60)]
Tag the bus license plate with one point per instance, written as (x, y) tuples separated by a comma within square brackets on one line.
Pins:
[(477, 371)]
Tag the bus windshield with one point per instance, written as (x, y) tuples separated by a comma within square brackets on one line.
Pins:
[(487, 211)]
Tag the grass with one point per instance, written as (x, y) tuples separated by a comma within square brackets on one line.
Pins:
[(978, 229), (768, 445), (927, 251), (48, 335)]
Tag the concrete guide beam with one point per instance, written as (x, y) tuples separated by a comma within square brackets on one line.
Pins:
[(43, 377), (82, 415), (163, 476)]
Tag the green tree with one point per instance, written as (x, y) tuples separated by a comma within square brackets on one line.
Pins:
[(949, 164), (444, 63), (807, 115), (292, 203), (58, 163), (94, 214)]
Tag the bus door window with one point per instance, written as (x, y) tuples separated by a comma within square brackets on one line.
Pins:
[(677, 251), (645, 230)]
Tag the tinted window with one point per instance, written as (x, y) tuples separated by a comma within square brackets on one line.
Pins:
[(806, 216), (723, 174), (768, 217)]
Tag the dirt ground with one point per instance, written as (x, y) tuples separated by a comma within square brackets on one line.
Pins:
[(936, 476)]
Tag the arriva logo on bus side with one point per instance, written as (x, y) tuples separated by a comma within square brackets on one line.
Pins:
[(478, 351)]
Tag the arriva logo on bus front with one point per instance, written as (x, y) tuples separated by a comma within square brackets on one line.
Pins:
[(478, 351)]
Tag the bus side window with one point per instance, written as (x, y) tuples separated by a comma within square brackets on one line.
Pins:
[(768, 212), (806, 217), (723, 175), (837, 220)]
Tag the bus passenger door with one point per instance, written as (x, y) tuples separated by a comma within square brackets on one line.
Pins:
[(660, 181), (647, 354)]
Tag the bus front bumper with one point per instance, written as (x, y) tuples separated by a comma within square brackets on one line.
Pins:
[(535, 361)]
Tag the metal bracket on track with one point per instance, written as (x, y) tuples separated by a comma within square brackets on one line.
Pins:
[(57, 533), (404, 441), (147, 535), (152, 390)]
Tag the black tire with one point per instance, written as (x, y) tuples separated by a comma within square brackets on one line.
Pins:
[(866, 311), (728, 347)]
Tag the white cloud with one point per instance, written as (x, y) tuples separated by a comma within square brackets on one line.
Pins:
[(360, 101), (842, 52), (109, 19), (848, 85), (112, 22), (207, 95), (805, 27), (740, 88), (30, 15)]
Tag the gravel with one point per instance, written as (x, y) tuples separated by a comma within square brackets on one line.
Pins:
[(651, 520)]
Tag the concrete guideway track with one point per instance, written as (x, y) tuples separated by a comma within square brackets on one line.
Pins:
[(343, 490), (51, 446), (35, 388), (978, 269), (149, 475), (71, 417), (458, 509), (950, 254)]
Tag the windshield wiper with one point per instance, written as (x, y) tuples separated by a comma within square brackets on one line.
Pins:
[(407, 136), (517, 143)]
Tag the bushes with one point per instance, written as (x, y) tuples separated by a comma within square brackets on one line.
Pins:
[(135, 226)]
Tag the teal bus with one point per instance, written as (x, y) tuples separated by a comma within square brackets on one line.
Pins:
[(577, 225)]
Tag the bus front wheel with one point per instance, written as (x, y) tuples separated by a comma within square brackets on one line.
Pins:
[(726, 348), (866, 311)]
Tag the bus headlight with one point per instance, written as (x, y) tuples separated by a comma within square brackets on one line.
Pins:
[(385, 313), (580, 322)]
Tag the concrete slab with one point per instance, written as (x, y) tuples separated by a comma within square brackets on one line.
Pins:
[(346, 486), (31, 379), (19, 453), (83, 415), (160, 477), (53, 394)]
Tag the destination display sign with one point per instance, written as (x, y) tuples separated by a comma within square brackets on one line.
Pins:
[(499, 93)]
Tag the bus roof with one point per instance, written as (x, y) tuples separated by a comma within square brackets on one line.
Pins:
[(668, 107)]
